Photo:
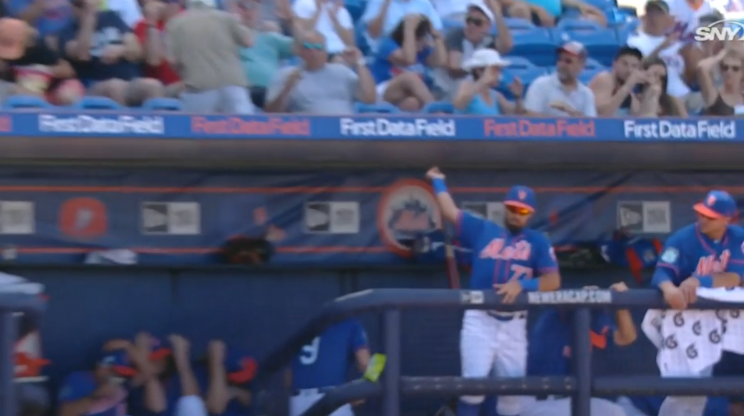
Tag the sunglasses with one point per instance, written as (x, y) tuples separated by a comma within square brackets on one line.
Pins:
[(519, 210), (474, 21), (732, 68), (566, 60), (315, 46)]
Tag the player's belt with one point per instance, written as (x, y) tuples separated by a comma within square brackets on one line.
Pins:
[(311, 392), (507, 316)]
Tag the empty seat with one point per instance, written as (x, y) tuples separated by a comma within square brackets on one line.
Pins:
[(439, 107), (526, 74), (625, 29), (97, 103), (601, 43), (532, 42), (380, 108), (594, 65), (587, 75), (162, 104), (25, 101)]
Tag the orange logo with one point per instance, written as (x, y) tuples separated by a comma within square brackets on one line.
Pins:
[(83, 218), (406, 210), (711, 200), (522, 195)]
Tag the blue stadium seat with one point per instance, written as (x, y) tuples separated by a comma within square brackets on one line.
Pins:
[(520, 68), (628, 10), (384, 108), (601, 43), (625, 29), (439, 107), (162, 104), (448, 24), (97, 103), (355, 8), (587, 75), (361, 40), (532, 42), (593, 64), (25, 101)]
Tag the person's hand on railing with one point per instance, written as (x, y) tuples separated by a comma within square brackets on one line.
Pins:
[(619, 287), (510, 290), (689, 289), (674, 296)]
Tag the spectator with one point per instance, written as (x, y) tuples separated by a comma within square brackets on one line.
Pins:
[(106, 55), (151, 34), (320, 87), (382, 17), (546, 13), (47, 16), (726, 100), (652, 99), (461, 42), (227, 371), (477, 97), (95, 392), (128, 10), (655, 39), (400, 63), (261, 61), (204, 47), (331, 19), (613, 90), (35, 68), (561, 93)]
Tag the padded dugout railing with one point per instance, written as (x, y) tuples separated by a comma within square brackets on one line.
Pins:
[(10, 304), (581, 386)]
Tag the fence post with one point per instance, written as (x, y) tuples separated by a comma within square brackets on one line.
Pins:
[(8, 336), (391, 330), (582, 362)]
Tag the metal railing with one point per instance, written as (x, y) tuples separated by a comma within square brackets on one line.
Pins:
[(10, 306), (580, 386)]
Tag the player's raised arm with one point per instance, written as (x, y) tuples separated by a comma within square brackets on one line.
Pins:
[(469, 227), (625, 330)]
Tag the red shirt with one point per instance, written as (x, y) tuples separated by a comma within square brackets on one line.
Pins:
[(163, 72)]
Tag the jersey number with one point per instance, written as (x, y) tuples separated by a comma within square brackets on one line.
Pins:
[(310, 352), (520, 272)]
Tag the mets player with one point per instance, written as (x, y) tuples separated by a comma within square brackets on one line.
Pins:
[(324, 363), (708, 253), (550, 354), (507, 258)]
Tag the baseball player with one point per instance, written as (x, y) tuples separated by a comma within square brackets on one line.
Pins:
[(324, 363), (550, 354), (224, 380), (650, 405), (96, 392), (708, 253), (509, 259)]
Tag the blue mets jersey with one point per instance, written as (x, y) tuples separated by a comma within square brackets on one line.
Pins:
[(690, 252), (549, 351), (498, 256), (82, 384), (324, 362)]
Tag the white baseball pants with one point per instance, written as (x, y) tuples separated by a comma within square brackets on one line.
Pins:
[(301, 402), (191, 406), (494, 345)]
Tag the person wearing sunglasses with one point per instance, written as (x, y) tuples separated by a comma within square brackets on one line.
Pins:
[(509, 259), (728, 99)]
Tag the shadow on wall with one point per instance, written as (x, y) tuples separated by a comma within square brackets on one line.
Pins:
[(256, 308)]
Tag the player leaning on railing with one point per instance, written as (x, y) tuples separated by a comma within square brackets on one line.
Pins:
[(706, 254), (504, 258)]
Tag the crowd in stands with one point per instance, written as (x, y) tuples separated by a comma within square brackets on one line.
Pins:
[(483, 57)]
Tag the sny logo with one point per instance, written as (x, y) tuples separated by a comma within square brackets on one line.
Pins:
[(498, 250), (723, 30)]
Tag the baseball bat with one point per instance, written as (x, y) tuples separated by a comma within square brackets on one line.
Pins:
[(453, 272)]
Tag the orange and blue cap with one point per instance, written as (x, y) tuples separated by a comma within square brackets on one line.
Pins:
[(717, 204), (118, 361), (521, 197), (239, 366)]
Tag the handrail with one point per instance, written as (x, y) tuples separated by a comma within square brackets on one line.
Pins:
[(11, 303), (391, 301)]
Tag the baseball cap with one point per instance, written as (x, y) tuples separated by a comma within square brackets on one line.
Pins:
[(480, 5), (239, 366), (717, 204), (118, 361), (521, 196), (160, 349), (483, 58), (573, 48), (658, 4), (13, 38)]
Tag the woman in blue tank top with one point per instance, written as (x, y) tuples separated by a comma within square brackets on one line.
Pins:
[(476, 96)]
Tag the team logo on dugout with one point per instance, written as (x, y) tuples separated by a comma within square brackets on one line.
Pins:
[(407, 210)]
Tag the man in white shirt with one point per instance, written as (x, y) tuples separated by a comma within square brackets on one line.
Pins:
[(381, 17), (331, 19)]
